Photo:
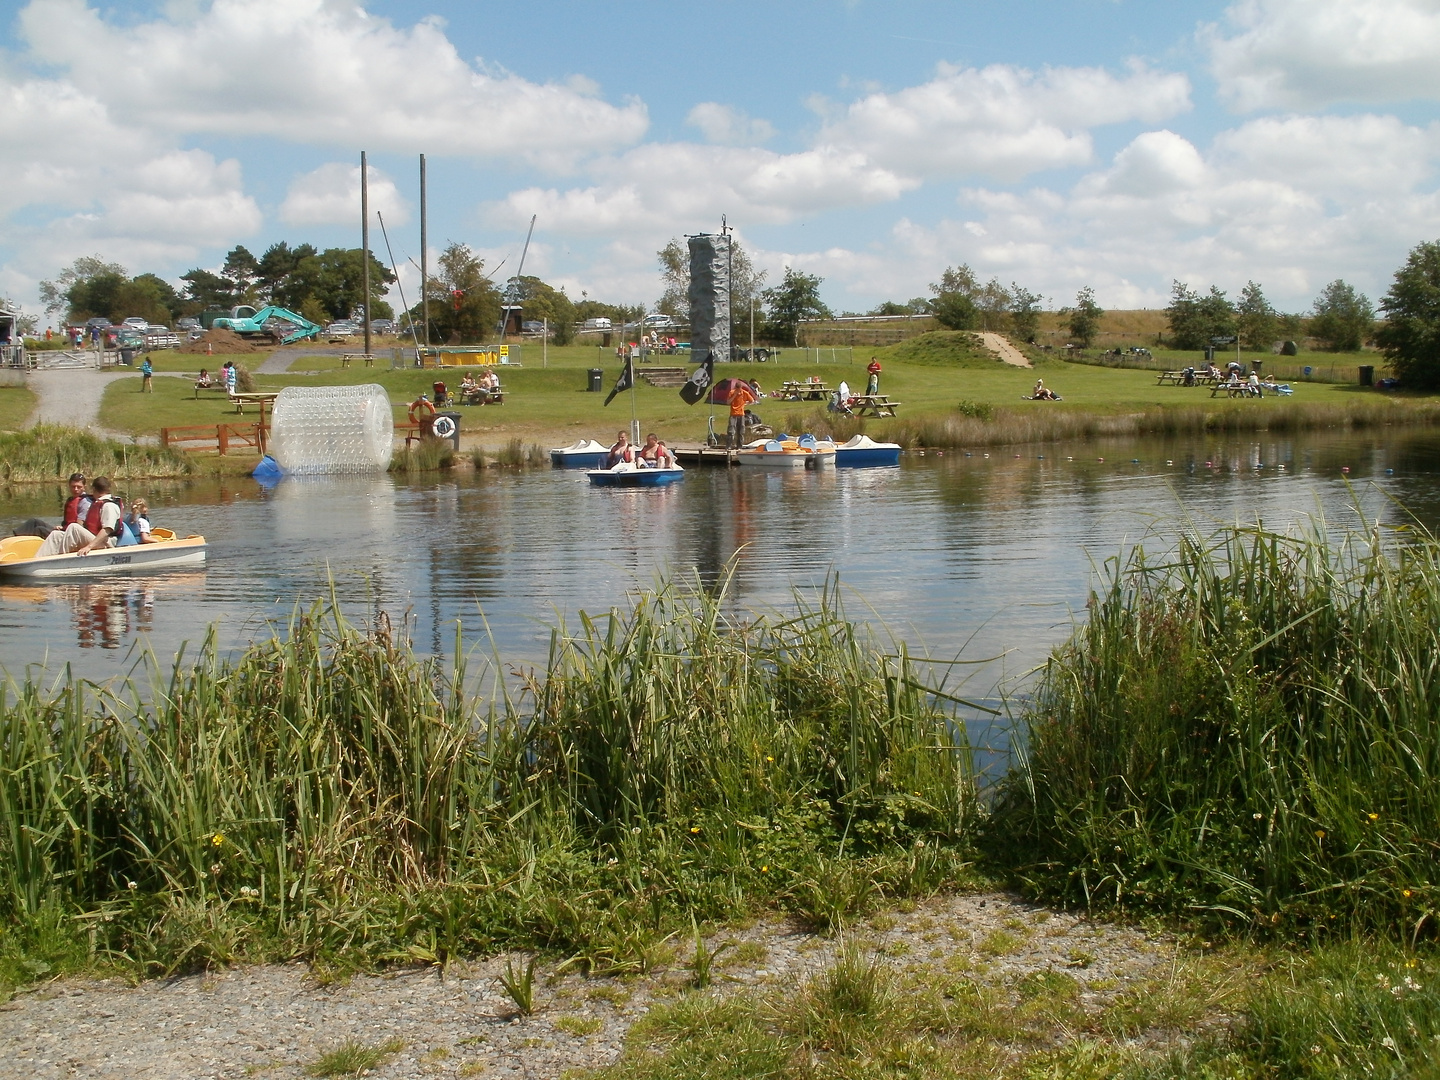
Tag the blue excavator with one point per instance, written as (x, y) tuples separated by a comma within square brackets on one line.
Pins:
[(248, 322)]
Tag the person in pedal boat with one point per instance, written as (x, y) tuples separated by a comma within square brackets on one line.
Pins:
[(139, 522), (78, 504), (655, 454), (621, 451), (101, 528)]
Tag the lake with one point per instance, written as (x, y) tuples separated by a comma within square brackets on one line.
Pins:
[(974, 555)]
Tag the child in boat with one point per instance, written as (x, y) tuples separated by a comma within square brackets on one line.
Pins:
[(139, 522)]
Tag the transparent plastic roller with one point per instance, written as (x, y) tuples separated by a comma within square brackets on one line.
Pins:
[(332, 429)]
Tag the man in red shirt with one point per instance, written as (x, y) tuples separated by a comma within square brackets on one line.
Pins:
[(740, 396)]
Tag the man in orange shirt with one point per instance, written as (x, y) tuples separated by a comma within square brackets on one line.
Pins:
[(740, 396)]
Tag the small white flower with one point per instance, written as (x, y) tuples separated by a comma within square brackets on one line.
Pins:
[(1388, 1043)]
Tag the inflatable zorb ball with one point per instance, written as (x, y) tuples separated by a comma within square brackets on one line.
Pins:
[(332, 429)]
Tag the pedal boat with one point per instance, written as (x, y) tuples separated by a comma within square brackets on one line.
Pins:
[(19, 562), (783, 452), (585, 454), (627, 475)]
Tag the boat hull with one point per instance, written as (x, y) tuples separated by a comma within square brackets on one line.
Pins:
[(785, 459), (585, 454), (870, 458), (189, 552), (635, 478)]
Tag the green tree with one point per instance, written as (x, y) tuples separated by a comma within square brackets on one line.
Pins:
[(334, 279), (274, 269), (992, 303), (464, 303), (790, 303), (1342, 318), (1024, 312), (543, 302), (1085, 317), (96, 297), (953, 299), (149, 296), (1255, 320), (55, 295), (241, 268), (1195, 319), (1410, 335), (745, 281), (208, 291)]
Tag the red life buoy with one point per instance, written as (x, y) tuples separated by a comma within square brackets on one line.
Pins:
[(423, 406)]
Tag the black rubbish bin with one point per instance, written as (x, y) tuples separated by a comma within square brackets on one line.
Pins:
[(127, 356), (1367, 375), (446, 425), (597, 380), (1209, 354)]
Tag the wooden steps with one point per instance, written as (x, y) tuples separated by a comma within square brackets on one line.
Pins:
[(664, 376)]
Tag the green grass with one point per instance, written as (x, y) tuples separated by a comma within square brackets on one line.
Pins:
[(931, 375), (49, 452), (330, 795), (354, 1058), (16, 405), (1244, 732)]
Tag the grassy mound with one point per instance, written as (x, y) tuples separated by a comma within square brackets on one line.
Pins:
[(1246, 731), (49, 452), (943, 348)]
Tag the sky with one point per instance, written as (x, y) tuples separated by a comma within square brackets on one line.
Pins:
[(1115, 144)]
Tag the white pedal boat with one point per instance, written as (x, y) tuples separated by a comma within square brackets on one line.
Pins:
[(18, 561)]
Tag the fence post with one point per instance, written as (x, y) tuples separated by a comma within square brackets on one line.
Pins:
[(165, 438), (222, 438), (260, 437)]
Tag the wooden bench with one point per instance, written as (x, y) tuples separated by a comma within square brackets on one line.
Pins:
[(345, 359), (213, 388), (1240, 389), (874, 405), (804, 391), (492, 397), (260, 399)]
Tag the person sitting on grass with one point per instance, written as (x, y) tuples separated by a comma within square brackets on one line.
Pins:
[(1043, 392)]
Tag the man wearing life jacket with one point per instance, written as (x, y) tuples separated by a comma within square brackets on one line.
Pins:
[(655, 454), (101, 528), (621, 451), (78, 504)]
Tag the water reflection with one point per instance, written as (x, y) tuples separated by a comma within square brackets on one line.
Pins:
[(953, 552)]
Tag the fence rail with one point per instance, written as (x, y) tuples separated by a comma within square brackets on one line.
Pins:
[(216, 438)]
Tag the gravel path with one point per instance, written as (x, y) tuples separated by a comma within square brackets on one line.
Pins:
[(276, 1020), (1003, 349), (72, 395)]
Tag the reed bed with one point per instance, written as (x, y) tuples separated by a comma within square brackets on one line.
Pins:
[(1041, 423), (50, 452), (1246, 730), (329, 794), (428, 455)]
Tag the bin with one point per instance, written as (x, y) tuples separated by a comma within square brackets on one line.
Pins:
[(127, 356), (441, 429), (1367, 375), (597, 380)]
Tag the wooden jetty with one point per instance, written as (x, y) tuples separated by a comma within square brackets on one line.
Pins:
[(692, 454)]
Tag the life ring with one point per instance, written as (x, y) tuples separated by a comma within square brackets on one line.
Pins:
[(444, 427), (423, 406)]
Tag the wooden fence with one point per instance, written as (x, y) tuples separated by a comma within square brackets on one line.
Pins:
[(216, 438)]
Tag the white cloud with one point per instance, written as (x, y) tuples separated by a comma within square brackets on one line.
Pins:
[(1000, 121), (330, 195), (320, 72), (728, 126), (658, 189), (1299, 54), (1265, 202)]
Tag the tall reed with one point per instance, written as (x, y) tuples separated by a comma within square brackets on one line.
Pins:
[(329, 792), (50, 452), (1246, 729)]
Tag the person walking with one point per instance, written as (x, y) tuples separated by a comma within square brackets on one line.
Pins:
[(874, 369), (740, 396), (146, 372)]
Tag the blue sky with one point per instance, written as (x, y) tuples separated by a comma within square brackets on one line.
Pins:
[(1108, 143)]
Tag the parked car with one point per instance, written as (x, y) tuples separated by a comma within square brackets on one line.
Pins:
[(600, 323), (160, 337), (532, 326), (137, 323), (188, 323), (382, 326), (341, 329)]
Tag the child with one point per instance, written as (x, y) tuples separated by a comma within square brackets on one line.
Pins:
[(140, 522)]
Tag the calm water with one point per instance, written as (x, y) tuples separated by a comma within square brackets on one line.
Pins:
[(957, 555)]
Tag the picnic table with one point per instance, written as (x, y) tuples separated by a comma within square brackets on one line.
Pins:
[(345, 358), (259, 399), (874, 405), (1177, 378), (1238, 389), (803, 391), (481, 397)]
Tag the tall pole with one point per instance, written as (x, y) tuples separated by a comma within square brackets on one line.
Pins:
[(365, 243), (424, 260)]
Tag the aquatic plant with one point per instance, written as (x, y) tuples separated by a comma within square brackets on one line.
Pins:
[(50, 452), (1245, 730), (330, 794)]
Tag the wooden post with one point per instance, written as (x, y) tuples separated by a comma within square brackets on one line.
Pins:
[(365, 242), (222, 438), (165, 438)]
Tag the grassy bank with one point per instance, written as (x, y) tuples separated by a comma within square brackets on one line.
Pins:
[(48, 452), (1244, 732), (16, 405), (330, 795)]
